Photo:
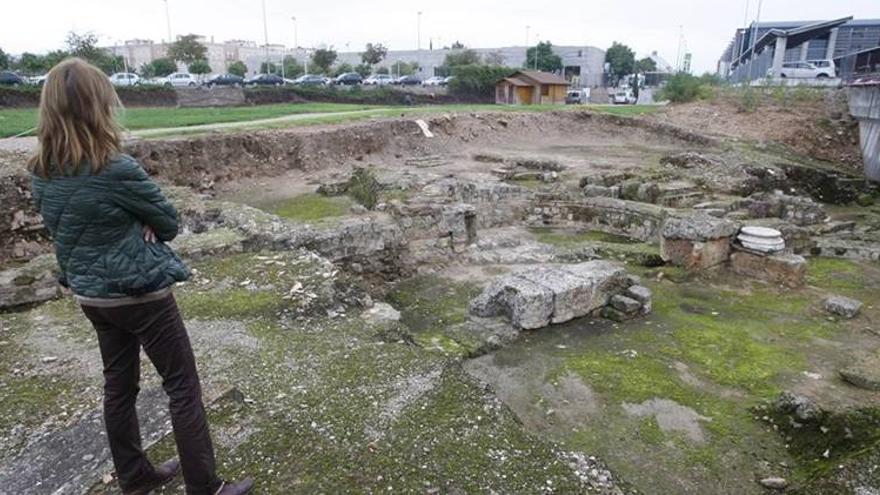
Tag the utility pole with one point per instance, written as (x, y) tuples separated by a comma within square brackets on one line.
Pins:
[(419, 31), (266, 36), (168, 22), (755, 40), (537, 43), (295, 42)]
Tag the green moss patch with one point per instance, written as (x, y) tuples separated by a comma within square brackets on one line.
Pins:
[(312, 207), (568, 239)]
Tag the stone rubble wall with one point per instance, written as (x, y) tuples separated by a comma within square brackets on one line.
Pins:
[(640, 221)]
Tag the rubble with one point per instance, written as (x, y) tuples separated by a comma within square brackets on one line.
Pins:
[(33, 282), (537, 297), (789, 270), (864, 374), (844, 307), (697, 241)]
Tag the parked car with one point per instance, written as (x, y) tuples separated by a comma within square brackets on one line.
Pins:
[(265, 80), (378, 80), (408, 81), (156, 81), (803, 70), (577, 96), (224, 80), (8, 78), (310, 80), (448, 80), (825, 64), (623, 97), (179, 79), (348, 79), (434, 81), (125, 79), (37, 80)]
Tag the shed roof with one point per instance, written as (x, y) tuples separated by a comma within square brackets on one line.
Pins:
[(542, 77), (516, 82), (531, 78)]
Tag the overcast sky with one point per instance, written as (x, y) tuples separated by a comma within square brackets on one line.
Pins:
[(645, 25)]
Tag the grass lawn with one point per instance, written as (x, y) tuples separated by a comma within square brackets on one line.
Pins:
[(20, 120)]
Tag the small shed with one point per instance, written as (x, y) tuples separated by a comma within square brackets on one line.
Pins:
[(528, 87)]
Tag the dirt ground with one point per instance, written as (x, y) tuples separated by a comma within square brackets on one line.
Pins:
[(812, 124), (339, 354)]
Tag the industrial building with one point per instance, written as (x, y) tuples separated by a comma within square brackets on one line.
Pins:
[(582, 65), (767, 45)]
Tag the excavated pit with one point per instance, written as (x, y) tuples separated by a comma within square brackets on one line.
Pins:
[(659, 398)]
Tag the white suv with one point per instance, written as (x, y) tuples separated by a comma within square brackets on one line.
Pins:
[(378, 80), (182, 79), (125, 79), (804, 70)]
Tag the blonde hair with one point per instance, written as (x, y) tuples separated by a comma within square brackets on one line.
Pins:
[(77, 119)]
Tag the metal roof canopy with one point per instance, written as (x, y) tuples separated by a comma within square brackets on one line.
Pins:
[(795, 36)]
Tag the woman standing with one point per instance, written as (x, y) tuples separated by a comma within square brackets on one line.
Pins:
[(109, 223)]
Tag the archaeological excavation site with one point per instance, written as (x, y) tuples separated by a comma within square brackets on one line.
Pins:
[(569, 301)]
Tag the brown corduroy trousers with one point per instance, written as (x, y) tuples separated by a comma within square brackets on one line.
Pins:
[(158, 328)]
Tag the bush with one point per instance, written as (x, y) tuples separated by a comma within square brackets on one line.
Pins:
[(135, 96), (477, 81), (364, 188), (684, 88)]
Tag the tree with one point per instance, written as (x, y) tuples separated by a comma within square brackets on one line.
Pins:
[(477, 81), (187, 49), (85, 46), (382, 70), (292, 67), (159, 67), (547, 60), (401, 68), (54, 58), (342, 69), (374, 54), (364, 69), (238, 68), (269, 68), (494, 58), (458, 45), (4, 60), (463, 57), (199, 67), (30, 63), (621, 59), (323, 59), (646, 64)]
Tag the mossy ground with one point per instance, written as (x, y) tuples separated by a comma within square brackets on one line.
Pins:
[(311, 207), (342, 404), (716, 345)]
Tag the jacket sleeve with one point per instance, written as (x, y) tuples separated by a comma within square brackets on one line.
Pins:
[(141, 197)]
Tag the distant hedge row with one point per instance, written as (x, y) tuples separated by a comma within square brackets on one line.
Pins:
[(134, 96), (357, 94), (156, 96)]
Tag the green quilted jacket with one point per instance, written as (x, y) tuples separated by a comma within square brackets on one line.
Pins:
[(96, 222)]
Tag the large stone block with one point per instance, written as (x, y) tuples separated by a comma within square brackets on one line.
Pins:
[(30, 283), (528, 304), (545, 295), (696, 242), (784, 269)]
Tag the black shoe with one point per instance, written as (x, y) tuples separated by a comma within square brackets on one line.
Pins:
[(235, 488), (164, 474)]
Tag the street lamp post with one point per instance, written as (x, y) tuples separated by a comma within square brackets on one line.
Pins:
[(266, 36), (419, 31), (537, 42), (168, 22), (527, 45)]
